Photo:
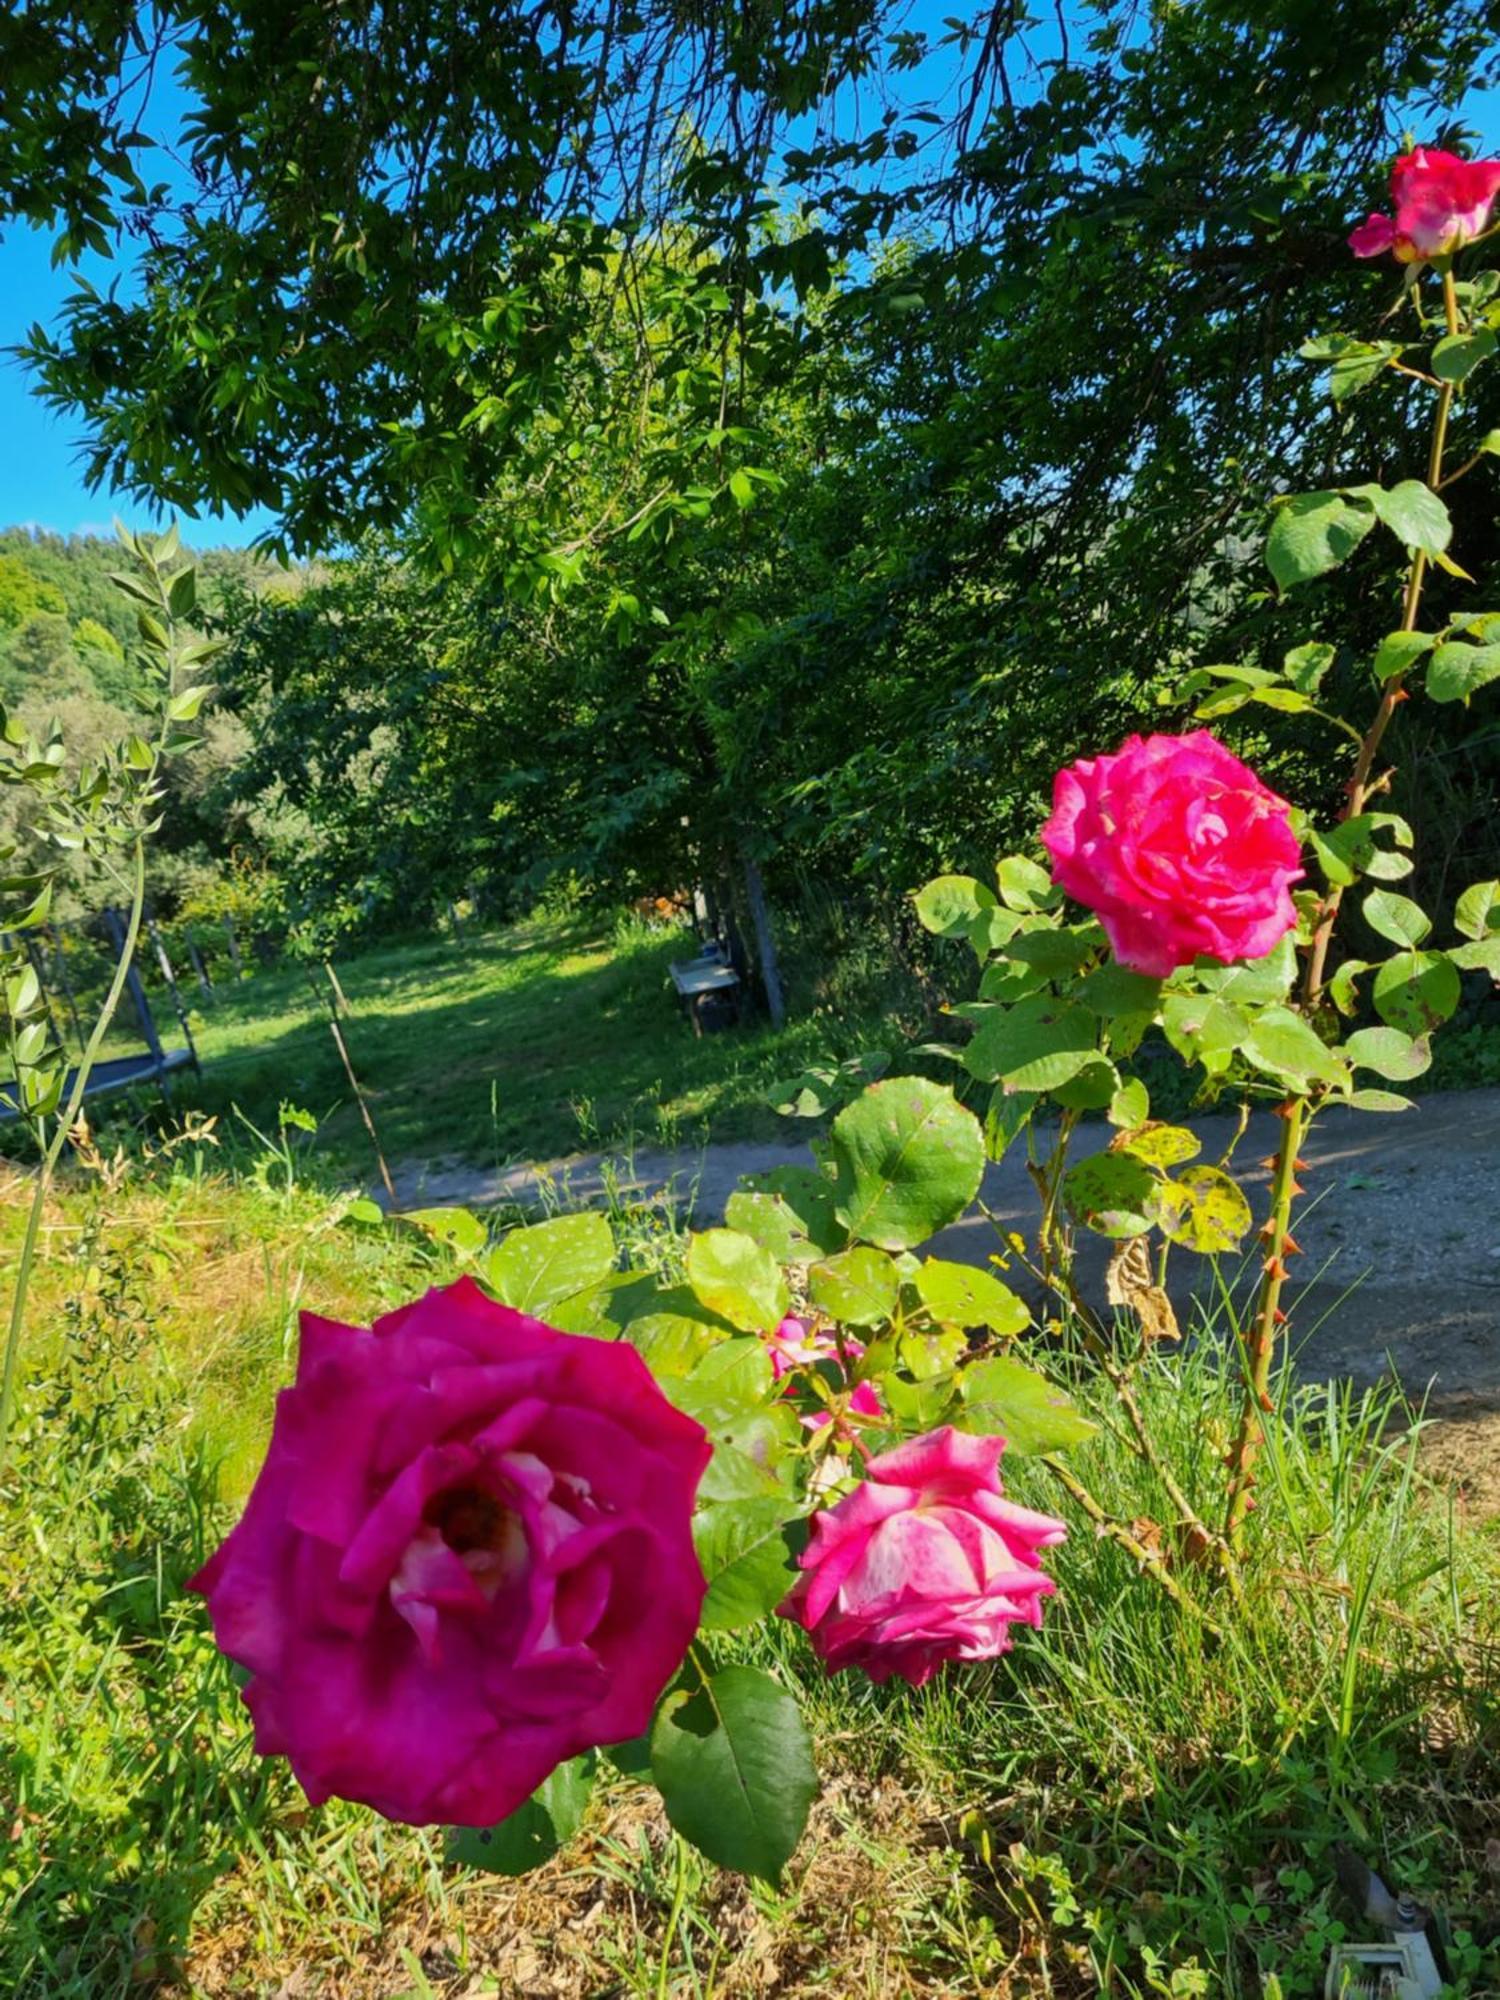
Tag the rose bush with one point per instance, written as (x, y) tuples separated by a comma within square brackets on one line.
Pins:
[(925, 1561), (1441, 203), (1178, 848), (467, 1557)]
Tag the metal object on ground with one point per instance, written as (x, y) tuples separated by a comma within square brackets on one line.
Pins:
[(1401, 1967)]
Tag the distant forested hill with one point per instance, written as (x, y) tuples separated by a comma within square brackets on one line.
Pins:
[(67, 657), (65, 630)]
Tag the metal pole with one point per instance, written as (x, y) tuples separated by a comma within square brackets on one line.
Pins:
[(65, 980), (234, 945), (205, 984), (166, 972), (115, 925)]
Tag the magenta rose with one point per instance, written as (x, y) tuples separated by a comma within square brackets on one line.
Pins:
[(1441, 203), (925, 1561), (468, 1556), (1179, 850)]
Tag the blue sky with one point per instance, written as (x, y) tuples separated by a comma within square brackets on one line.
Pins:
[(41, 483)]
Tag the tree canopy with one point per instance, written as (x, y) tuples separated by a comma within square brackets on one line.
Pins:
[(782, 435)]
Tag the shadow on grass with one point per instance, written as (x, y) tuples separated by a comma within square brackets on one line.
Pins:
[(527, 1047)]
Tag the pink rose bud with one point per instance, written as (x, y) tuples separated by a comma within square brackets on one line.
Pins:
[(1441, 203), (467, 1557), (1179, 850), (923, 1562)]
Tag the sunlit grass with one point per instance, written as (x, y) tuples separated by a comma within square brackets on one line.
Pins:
[(525, 1044)]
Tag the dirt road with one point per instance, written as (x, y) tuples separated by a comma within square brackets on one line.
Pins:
[(1401, 1240)]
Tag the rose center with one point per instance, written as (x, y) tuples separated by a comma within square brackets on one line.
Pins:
[(471, 1521)]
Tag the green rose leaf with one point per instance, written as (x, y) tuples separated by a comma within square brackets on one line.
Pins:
[(1112, 1193), (459, 1231), (534, 1831), (958, 1295), (1283, 1044), (1416, 991), (1054, 954), (1202, 1028), (1163, 1145), (1257, 979), (1005, 1398), (1456, 357), (1477, 911), (772, 1223), (1091, 1089), (858, 1287), (1024, 886), (1033, 1045), (1313, 533), (1348, 850), (748, 1551), (909, 1159), (1399, 652), (922, 1405), (1130, 1106), (1112, 990), (1457, 670), (991, 929), (737, 1278), (1379, 1100), (733, 1474), (734, 1765), (1413, 513), (669, 1344), (948, 906), (1006, 1119), (534, 1268), (811, 1197), (1389, 1053), (731, 1382), (1205, 1210), (1306, 665), (1396, 918), (1343, 988), (1483, 955)]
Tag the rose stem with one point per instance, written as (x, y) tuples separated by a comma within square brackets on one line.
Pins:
[(1260, 1348)]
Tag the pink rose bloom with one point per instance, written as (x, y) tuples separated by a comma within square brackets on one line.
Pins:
[(792, 1345), (923, 1562), (1441, 203), (468, 1556), (1179, 850)]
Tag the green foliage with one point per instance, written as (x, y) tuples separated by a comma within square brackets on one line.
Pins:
[(734, 1762)]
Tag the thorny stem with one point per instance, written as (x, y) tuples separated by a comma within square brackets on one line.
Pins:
[(1297, 1116), (1150, 1559)]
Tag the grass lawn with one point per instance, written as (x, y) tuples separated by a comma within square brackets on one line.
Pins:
[(530, 1043)]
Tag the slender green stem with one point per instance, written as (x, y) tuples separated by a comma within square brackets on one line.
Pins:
[(1260, 1346), (66, 1120)]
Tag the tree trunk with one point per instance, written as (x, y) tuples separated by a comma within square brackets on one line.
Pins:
[(765, 943)]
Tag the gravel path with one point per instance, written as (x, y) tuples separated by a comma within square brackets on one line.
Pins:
[(1401, 1241)]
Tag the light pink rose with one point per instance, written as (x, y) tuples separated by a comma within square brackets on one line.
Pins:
[(1179, 850), (468, 1556), (923, 1562), (794, 1345), (1441, 203)]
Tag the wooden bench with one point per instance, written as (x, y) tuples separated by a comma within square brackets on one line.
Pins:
[(697, 979)]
